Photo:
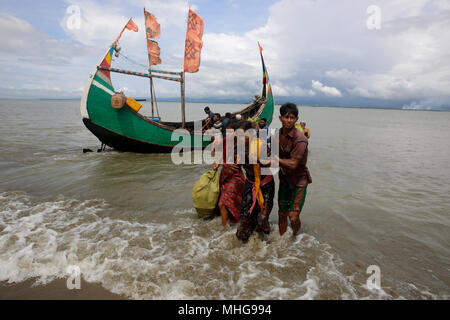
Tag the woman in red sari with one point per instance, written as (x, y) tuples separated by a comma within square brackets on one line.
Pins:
[(232, 183)]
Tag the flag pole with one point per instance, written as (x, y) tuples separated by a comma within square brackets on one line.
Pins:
[(263, 94), (183, 117), (149, 72), (151, 90), (182, 85), (117, 40)]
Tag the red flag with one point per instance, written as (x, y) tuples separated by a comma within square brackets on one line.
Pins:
[(194, 43), (152, 30), (152, 27), (132, 26), (153, 52)]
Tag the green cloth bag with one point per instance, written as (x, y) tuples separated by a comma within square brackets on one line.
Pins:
[(205, 194)]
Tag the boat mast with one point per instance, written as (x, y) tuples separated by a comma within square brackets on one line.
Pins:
[(151, 89), (183, 116)]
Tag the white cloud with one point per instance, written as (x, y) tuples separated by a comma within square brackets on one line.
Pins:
[(291, 91), (329, 91), (99, 23), (328, 42), (341, 74), (311, 49), (318, 42), (169, 13), (21, 42), (32, 60)]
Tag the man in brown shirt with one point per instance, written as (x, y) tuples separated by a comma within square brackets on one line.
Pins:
[(294, 174)]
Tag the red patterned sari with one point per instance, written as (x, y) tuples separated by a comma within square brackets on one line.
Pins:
[(231, 188)]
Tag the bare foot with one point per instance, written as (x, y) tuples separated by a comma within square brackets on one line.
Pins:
[(296, 227), (224, 214), (294, 216), (282, 224), (224, 220), (224, 217)]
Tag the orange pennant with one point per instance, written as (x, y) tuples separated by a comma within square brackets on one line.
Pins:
[(132, 26), (194, 42), (152, 27), (153, 52)]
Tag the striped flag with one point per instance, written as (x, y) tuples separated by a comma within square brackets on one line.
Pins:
[(265, 73)]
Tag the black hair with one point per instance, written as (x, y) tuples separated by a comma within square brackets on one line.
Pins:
[(217, 114), (265, 120), (289, 108), (206, 108), (247, 125), (239, 124), (228, 115)]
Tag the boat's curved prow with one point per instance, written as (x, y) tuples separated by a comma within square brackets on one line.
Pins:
[(84, 98), (83, 104)]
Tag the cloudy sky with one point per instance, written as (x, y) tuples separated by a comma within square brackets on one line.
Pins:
[(376, 53)]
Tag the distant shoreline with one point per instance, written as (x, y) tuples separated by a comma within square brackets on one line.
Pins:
[(243, 102)]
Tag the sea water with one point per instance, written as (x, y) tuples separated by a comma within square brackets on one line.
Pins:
[(379, 197)]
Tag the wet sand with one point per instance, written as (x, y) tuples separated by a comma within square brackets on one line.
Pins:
[(56, 290)]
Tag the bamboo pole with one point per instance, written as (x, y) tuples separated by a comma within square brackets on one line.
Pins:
[(183, 118), (151, 93), (117, 40), (156, 102), (139, 74), (165, 72)]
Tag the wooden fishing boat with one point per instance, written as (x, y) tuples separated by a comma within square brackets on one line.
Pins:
[(125, 129)]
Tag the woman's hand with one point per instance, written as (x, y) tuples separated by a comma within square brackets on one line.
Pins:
[(265, 163), (216, 166)]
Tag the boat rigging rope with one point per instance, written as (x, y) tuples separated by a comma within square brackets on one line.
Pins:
[(152, 88), (134, 62)]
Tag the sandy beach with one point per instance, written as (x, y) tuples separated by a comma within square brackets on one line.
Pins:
[(56, 290)]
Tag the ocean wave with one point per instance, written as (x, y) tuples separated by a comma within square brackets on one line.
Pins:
[(187, 258)]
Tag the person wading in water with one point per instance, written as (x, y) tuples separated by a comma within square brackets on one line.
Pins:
[(294, 174)]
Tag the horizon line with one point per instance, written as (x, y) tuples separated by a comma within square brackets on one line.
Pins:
[(238, 101)]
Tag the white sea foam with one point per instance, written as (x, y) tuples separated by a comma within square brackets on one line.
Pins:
[(187, 258)]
